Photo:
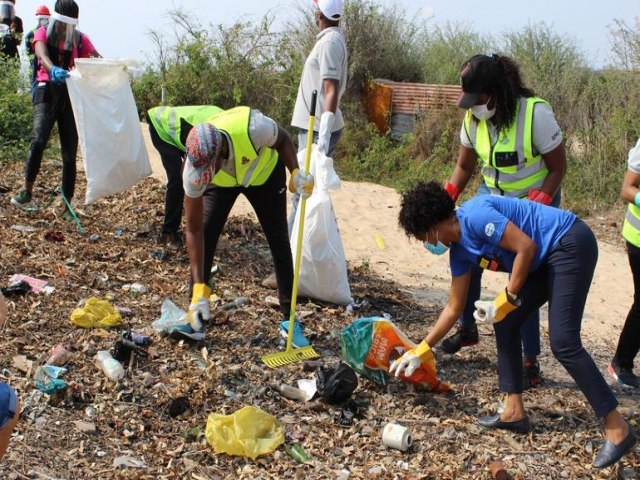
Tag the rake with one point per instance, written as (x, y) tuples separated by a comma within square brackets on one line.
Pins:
[(293, 355)]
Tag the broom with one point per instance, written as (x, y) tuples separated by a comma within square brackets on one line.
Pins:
[(291, 355)]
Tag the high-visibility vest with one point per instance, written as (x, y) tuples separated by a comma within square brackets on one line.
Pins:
[(251, 167), (510, 167), (166, 121), (631, 226)]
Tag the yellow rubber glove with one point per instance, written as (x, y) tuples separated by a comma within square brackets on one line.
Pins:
[(498, 309), (412, 359), (301, 183), (199, 308)]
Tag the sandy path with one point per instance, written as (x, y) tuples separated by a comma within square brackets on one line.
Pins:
[(366, 210)]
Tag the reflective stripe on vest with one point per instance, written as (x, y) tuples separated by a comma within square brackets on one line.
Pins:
[(528, 171), (251, 167), (166, 120), (631, 226)]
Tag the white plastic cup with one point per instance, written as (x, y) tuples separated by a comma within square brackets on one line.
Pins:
[(396, 436)]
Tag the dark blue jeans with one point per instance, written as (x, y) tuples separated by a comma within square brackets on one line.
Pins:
[(563, 280), (531, 328)]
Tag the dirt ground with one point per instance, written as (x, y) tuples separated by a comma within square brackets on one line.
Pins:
[(85, 431)]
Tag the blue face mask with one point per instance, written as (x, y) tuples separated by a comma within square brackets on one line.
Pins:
[(437, 249)]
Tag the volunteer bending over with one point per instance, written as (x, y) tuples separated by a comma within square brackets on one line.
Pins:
[(239, 151), (551, 255)]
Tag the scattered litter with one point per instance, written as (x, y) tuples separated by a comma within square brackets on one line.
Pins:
[(137, 288), (110, 366), (335, 385), (21, 288), (118, 232), (170, 316), (370, 345), (236, 303), (54, 236), (272, 301), (397, 436), (311, 365), (128, 462), (351, 410), (22, 363), (308, 387), (160, 255), (36, 285), (292, 393), (24, 228), (85, 427), (249, 432), (498, 472), (94, 238), (96, 313), (47, 378), (380, 242), (59, 356), (296, 452), (178, 406), (124, 311)]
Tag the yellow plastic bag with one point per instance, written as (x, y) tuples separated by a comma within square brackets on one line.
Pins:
[(96, 313), (249, 432)]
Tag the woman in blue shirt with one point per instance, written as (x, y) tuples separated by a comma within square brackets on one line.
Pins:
[(551, 255), (9, 405)]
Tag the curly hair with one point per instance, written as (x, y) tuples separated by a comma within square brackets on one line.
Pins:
[(424, 206), (508, 89)]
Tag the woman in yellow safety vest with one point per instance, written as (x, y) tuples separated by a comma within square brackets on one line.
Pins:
[(621, 366), (517, 139)]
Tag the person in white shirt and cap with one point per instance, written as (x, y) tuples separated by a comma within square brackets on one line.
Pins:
[(325, 70)]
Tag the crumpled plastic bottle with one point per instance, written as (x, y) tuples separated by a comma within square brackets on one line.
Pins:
[(112, 368)]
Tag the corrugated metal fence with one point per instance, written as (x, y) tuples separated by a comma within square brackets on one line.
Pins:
[(394, 105)]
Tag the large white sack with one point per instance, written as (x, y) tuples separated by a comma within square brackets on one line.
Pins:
[(113, 149), (323, 266)]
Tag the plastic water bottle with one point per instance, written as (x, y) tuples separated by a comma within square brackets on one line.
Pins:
[(112, 368)]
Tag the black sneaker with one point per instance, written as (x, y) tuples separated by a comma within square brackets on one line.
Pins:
[(464, 337), (624, 376), (531, 376)]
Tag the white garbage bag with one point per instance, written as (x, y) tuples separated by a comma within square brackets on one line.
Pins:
[(113, 150), (323, 266)]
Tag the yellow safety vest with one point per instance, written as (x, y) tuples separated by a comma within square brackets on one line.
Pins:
[(166, 120), (251, 167), (631, 226), (510, 167)]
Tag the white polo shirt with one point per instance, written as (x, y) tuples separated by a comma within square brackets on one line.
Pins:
[(634, 158), (327, 60), (546, 134), (263, 132)]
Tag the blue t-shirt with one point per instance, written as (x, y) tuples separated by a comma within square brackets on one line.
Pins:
[(482, 223)]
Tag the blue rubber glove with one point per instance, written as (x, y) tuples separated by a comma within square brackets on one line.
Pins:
[(58, 75), (637, 200)]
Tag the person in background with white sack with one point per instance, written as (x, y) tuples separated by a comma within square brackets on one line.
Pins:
[(11, 30), (325, 70), (168, 128), (239, 151), (56, 48), (551, 255)]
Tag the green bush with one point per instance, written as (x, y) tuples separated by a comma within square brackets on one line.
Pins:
[(16, 117)]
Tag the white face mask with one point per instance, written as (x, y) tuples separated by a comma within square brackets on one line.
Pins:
[(481, 112)]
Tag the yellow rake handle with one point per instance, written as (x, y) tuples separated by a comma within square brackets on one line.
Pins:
[(303, 205)]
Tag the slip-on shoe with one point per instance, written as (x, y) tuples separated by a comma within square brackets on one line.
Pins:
[(610, 453), (493, 421)]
